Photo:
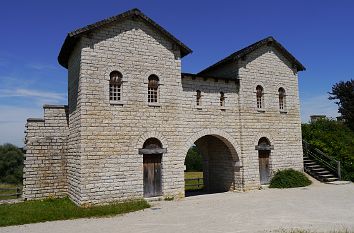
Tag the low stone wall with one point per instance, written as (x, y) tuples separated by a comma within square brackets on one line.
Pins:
[(46, 154)]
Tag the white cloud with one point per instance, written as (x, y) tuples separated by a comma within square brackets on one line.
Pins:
[(318, 105), (12, 123), (41, 66), (49, 96)]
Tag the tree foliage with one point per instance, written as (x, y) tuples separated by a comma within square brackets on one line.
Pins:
[(11, 164), (194, 161), (343, 92), (335, 139)]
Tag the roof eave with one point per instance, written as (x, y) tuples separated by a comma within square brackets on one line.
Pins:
[(240, 53), (73, 36)]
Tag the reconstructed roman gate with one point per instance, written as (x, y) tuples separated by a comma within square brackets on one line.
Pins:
[(132, 116)]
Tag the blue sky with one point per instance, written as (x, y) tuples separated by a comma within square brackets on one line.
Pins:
[(318, 33)]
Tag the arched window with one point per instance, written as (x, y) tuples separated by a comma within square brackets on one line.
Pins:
[(259, 95), (281, 98), (153, 87), (199, 97), (115, 86), (222, 99)]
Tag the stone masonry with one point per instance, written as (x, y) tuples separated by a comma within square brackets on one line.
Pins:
[(89, 150)]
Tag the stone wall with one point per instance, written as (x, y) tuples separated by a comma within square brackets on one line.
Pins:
[(268, 68), (46, 154)]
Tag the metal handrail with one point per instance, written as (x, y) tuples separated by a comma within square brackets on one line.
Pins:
[(322, 158)]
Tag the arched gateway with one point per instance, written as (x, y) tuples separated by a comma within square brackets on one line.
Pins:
[(221, 162)]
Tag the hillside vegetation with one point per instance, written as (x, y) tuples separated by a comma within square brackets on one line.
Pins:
[(335, 139)]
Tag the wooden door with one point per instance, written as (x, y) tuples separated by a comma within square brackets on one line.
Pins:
[(264, 171), (152, 175)]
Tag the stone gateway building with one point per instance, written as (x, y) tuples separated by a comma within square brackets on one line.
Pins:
[(132, 116)]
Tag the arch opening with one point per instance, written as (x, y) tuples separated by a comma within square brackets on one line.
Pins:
[(211, 166)]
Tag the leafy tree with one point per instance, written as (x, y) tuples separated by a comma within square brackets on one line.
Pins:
[(335, 139), (344, 93), (194, 161), (11, 164)]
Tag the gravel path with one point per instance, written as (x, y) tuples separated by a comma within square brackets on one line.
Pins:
[(321, 207)]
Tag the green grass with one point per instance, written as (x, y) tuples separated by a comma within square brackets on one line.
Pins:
[(193, 175), (289, 178), (60, 209), (3, 192)]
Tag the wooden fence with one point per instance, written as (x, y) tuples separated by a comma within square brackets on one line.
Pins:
[(17, 192), (194, 183)]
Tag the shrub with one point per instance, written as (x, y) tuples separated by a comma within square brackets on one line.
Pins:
[(289, 178)]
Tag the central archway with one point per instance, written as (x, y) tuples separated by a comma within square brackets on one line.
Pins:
[(220, 162)]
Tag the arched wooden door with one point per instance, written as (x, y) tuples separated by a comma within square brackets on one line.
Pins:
[(264, 149), (264, 171), (152, 155)]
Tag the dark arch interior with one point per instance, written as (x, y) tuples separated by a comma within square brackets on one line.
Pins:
[(218, 166)]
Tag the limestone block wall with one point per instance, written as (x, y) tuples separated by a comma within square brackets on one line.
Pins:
[(268, 68), (110, 167), (74, 114), (46, 154)]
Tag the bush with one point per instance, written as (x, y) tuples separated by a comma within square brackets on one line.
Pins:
[(11, 164), (289, 178)]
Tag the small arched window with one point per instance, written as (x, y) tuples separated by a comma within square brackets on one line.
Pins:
[(222, 99), (259, 95), (199, 97), (153, 87), (281, 98), (115, 86)]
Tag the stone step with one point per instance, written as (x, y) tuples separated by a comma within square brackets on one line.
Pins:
[(324, 172), (314, 166), (310, 163), (327, 175), (332, 179), (317, 169)]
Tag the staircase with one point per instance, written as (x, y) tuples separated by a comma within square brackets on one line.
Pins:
[(320, 166)]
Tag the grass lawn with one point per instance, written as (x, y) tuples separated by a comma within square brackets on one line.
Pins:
[(189, 183), (3, 192), (60, 209)]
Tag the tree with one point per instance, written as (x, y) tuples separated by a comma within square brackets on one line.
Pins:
[(11, 164), (344, 93), (194, 161)]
